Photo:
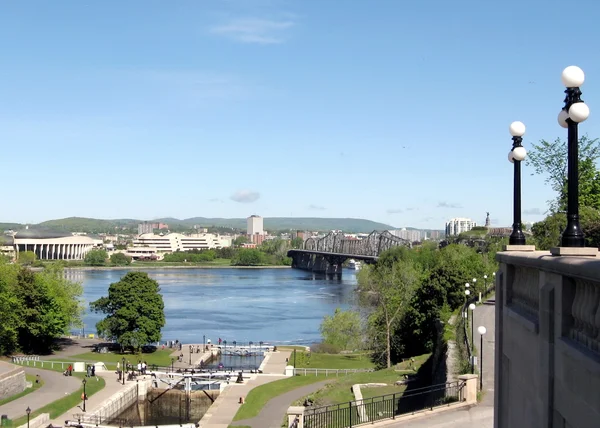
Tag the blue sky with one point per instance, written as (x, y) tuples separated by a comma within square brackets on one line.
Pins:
[(395, 111)]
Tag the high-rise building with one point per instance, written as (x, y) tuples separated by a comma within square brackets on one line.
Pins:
[(410, 235), (144, 227), (255, 225), (458, 225)]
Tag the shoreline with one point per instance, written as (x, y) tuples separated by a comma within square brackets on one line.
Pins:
[(170, 267)]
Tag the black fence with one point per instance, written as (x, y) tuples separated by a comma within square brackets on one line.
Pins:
[(347, 415), (198, 370)]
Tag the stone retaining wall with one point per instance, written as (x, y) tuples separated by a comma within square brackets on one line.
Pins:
[(12, 380)]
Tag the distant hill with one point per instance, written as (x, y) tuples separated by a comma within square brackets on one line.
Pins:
[(91, 225)]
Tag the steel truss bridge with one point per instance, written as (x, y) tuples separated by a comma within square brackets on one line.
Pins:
[(327, 254)]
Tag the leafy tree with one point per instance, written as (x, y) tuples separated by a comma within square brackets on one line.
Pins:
[(248, 257), (120, 259), (135, 311), (388, 290), (297, 243), (342, 330), (550, 159), (9, 309), (240, 240), (547, 233), (26, 258), (96, 258)]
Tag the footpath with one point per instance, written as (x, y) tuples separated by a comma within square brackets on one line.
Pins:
[(222, 411), (55, 386)]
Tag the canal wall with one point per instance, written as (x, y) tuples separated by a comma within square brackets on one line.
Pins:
[(12, 380)]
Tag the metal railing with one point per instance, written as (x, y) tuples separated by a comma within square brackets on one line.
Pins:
[(388, 406), (42, 363), (328, 372), (197, 369)]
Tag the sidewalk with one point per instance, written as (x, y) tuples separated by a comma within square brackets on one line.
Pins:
[(55, 386), (221, 413), (196, 357), (96, 400)]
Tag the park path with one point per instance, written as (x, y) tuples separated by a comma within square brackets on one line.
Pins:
[(275, 410), (55, 386), (222, 411), (95, 401)]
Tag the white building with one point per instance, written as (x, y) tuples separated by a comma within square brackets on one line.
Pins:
[(409, 235), (50, 245), (177, 242), (459, 225), (255, 225)]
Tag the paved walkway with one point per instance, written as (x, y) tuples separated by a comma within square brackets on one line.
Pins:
[(55, 386), (96, 400), (221, 413), (275, 410)]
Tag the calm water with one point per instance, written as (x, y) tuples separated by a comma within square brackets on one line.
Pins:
[(272, 305)]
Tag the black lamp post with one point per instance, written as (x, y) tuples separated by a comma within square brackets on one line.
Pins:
[(123, 370), (203, 343), (516, 155), (83, 397), (482, 330), (28, 411), (190, 348), (574, 112), (472, 308), (172, 362)]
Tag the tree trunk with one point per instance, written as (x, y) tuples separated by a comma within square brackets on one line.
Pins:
[(389, 351)]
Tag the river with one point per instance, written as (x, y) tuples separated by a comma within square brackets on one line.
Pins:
[(276, 306)]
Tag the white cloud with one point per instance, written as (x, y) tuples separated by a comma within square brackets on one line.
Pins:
[(448, 205), (252, 30), (316, 207), (533, 211), (245, 196), (395, 211)]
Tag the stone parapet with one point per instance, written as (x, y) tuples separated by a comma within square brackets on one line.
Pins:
[(547, 362)]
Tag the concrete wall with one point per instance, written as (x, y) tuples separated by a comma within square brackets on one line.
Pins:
[(547, 358), (12, 380)]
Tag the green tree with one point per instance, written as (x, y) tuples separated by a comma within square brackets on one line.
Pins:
[(550, 160), (297, 243), (120, 259), (96, 258), (9, 309), (248, 257), (342, 330), (547, 233), (387, 290), (26, 258), (135, 311), (240, 240)]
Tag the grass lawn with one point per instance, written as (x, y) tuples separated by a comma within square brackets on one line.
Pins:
[(260, 395), (159, 357), (332, 361), (66, 403), (382, 390), (34, 386), (340, 390)]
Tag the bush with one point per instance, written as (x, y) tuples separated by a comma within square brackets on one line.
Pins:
[(119, 259), (325, 348)]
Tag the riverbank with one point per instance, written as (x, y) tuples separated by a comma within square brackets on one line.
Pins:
[(143, 267)]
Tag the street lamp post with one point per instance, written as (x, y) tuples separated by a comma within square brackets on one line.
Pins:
[(83, 397), (484, 283), (515, 156), (203, 343), (574, 112), (28, 411), (123, 370), (190, 361), (472, 308), (172, 363), (482, 330)]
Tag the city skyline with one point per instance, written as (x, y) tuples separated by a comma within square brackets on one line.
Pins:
[(397, 114)]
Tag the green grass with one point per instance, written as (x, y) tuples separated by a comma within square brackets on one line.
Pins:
[(62, 405), (259, 396), (340, 390), (332, 361), (382, 390), (159, 357), (34, 386)]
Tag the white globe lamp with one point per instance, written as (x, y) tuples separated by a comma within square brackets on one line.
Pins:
[(481, 330), (562, 119), (519, 153), (472, 306), (579, 112), (573, 77), (517, 129)]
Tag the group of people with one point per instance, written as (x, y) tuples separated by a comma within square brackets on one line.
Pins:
[(128, 368)]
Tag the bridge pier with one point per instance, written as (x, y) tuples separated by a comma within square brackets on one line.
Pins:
[(317, 263)]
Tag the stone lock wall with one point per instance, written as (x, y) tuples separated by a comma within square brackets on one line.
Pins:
[(12, 380)]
